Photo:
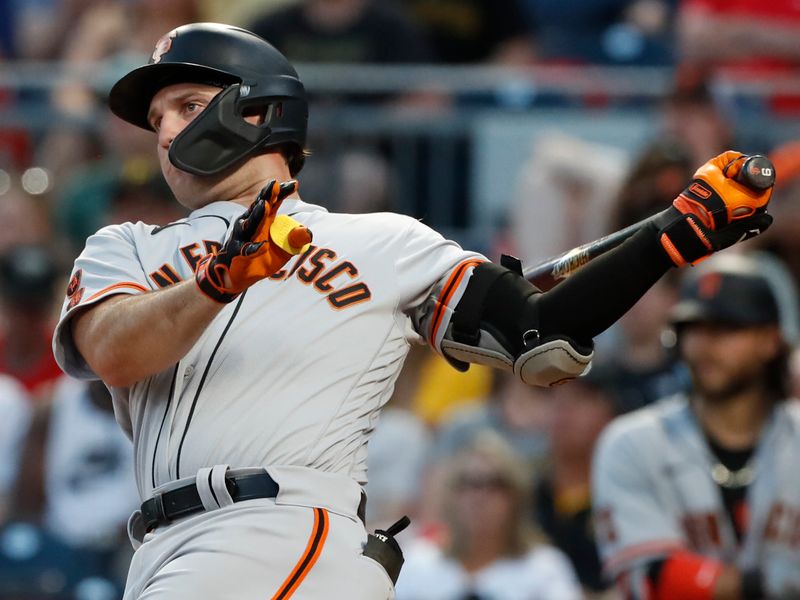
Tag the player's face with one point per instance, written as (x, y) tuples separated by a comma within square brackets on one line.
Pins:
[(724, 360), (171, 110)]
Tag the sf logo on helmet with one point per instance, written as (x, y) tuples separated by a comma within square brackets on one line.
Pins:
[(163, 46)]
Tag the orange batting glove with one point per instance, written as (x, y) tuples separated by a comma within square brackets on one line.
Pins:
[(715, 211), (259, 244)]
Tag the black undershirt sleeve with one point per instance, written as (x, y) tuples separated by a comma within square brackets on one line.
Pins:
[(591, 300)]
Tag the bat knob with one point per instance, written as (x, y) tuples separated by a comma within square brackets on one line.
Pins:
[(757, 173)]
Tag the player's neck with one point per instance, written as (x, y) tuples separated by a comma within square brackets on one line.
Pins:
[(258, 172), (736, 422)]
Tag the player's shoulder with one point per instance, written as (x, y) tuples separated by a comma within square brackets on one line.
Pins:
[(385, 222), (125, 232), (642, 426)]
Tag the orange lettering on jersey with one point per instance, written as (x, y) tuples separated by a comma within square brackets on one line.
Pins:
[(783, 525), (301, 259), (165, 276), (211, 246), (192, 255), (352, 294), (309, 274), (772, 531), (604, 525), (794, 538), (323, 284), (702, 531)]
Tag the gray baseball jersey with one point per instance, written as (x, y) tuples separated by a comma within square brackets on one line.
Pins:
[(294, 371), (653, 493)]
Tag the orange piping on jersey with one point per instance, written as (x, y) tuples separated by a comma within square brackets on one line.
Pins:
[(124, 284), (447, 291), (310, 555), (653, 547)]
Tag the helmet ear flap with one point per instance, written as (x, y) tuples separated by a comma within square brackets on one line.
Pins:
[(218, 138)]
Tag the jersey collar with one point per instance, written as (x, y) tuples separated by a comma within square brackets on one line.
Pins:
[(231, 210)]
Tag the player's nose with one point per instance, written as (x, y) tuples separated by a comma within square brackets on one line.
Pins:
[(168, 129)]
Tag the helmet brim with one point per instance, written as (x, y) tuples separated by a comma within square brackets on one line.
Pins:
[(130, 97)]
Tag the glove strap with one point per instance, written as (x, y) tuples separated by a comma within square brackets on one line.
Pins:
[(204, 277), (685, 240)]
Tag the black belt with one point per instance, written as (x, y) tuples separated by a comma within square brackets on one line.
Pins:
[(165, 507)]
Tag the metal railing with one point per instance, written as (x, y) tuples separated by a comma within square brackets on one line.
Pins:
[(439, 175)]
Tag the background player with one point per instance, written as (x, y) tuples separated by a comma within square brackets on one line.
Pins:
[(243, 373), (695, 497)]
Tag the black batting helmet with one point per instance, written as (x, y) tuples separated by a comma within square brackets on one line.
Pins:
[(740, 290), (252, 73)]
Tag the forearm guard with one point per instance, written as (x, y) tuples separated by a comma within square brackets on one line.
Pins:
[(496, 323)]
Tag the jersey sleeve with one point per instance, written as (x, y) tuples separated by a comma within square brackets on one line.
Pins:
[(432, 273), (108, 265), (633, 525)]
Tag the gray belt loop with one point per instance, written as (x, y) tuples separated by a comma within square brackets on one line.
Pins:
[(209, 481), (219, 486)]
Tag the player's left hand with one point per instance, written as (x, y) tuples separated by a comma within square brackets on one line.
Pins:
[(714, 211), (259, 244)]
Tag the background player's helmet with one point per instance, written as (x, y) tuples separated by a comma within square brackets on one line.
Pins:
[(254, 77), (739, 289)]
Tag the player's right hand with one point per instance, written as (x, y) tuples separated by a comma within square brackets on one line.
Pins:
[(715, 211), (259, 244)]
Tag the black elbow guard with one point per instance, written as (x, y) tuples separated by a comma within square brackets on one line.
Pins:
[(496, 323)]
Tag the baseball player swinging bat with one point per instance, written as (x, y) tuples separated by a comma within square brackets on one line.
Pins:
[(757, 173)]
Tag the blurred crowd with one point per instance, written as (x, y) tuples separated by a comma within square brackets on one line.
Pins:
[(495, 475)]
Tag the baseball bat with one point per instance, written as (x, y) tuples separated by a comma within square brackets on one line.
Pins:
[(757, 173)]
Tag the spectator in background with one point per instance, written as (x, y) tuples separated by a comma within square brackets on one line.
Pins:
[(241, 12), (115, 31), (398, 450), (74, 494), (563, 199), (24, 218), (519, 413), (77, 478), (7, 18), (475, 31), (104, 35), (343, 31), (644, 361), (656, 177), (491, 549), (148, 199), (749, 38), (28, 276), (691, 115), (616, 32), (784, 242), (562, 500), (15, 417), (115, 190)]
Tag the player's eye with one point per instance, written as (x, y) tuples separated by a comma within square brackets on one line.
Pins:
[(155, 124)]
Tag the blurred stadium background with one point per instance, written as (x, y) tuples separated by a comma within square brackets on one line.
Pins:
[(513, 126)]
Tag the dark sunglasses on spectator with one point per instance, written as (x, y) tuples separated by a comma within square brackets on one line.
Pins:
[(483, 481)]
